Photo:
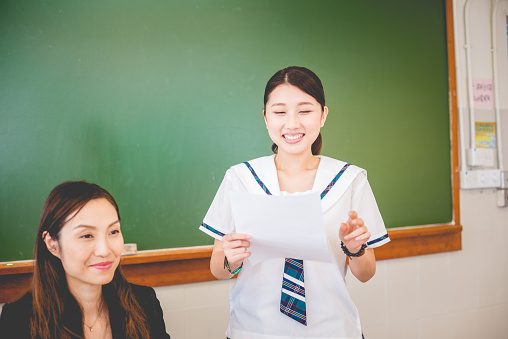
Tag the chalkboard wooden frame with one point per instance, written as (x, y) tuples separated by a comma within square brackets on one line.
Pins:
[(190, 265)]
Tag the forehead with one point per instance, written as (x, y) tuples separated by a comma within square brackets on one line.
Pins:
[(97, 212), (289, 94)]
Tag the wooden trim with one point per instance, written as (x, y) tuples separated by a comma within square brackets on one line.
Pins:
[(152, 268), (452, 95), (190, 265), (415, 241)]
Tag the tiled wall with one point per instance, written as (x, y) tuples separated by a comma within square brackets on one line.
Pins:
[(198, 310)]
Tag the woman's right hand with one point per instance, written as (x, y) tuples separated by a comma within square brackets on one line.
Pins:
[(235, 248)]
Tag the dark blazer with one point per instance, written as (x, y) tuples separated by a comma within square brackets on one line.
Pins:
[(15, 318)]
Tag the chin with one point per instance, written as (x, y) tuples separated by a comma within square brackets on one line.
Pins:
[(105, 281), (105, 278)]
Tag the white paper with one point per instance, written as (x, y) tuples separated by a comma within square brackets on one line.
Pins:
[(281, 226)]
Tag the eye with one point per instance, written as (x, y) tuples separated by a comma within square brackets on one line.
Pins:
[(114, 232), (305, 112), (279, 113), (86, 236)]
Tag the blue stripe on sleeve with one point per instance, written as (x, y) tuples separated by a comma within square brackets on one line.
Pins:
[(211, 229)]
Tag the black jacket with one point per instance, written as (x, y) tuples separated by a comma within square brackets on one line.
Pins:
[(15, 318)]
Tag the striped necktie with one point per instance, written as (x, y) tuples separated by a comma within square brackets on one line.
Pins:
[(292, 299)]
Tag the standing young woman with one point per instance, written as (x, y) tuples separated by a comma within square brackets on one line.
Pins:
[(78, 289), (289, 297)]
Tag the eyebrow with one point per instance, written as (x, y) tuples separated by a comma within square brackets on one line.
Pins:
[(299, 104), (90, 226)]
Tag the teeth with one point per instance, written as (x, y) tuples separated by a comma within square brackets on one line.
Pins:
[(293, 137)]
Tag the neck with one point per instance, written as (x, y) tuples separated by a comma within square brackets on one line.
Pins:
[(296, 162), (89, 297)]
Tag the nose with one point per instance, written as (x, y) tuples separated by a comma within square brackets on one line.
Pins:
[(292, 120), (102, 248)]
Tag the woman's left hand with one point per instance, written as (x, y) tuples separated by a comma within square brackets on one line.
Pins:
[(353, 233)]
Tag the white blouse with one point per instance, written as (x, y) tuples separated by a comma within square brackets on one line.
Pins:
[(254, 300)]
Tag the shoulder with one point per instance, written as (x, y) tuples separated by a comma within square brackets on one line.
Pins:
[(333, 167), (142, 293), (151, 306), (334, 163), (257, 162), (15, 317), (146, 298), (24, 304), (262, 168)]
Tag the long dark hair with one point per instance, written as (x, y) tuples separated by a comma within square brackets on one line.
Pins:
[(56, 313), (305, 80)]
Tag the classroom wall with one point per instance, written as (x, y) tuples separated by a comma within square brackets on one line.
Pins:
[(453, 295)]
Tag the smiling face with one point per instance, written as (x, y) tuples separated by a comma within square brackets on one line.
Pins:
[(293, 119), (89, 245)]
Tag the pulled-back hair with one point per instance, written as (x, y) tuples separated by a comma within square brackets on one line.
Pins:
[(305, 80), (56, 313)]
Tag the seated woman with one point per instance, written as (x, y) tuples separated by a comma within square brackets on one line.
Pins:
[(78, 289)]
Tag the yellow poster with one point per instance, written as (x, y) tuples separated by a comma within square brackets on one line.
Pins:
[(485, 134)]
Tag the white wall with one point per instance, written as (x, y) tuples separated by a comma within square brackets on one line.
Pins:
[(453, 295)]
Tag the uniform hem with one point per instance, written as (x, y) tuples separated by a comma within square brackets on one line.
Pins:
[(384, 239), (210, 232)]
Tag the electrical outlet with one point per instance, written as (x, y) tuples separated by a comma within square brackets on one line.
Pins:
[(477, 179), (481, 157)]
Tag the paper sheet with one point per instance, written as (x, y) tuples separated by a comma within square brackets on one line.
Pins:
[(281, 226)]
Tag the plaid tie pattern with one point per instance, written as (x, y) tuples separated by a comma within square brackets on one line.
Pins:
[(292, 299)]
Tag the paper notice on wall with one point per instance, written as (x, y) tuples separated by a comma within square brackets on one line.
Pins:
[(485, 134), (483, 92)]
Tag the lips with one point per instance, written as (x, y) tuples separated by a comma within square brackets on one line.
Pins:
[(293, 138), (106, 265)]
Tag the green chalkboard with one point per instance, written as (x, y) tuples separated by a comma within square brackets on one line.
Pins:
[(155, 99)]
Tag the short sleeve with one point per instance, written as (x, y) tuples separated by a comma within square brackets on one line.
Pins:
[(218, 220), (364, 203)]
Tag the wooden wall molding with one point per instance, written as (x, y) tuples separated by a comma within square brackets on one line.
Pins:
[(190, 265)]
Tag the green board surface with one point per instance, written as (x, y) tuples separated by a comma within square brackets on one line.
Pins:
[(154, 100)]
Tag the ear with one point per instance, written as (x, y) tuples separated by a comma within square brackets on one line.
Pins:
[(51, 244), (324, 115)]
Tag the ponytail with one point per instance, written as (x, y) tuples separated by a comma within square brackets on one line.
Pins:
[(316, 145)]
